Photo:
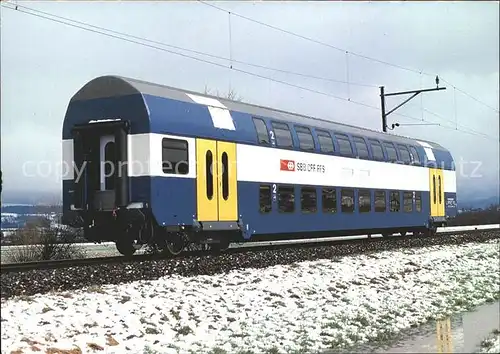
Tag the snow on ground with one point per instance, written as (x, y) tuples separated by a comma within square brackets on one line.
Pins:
[(492, 343), (305, 306)]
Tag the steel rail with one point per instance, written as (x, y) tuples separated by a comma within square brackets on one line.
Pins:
[(80, 262)]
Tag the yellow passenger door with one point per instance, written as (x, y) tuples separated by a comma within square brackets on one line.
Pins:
[(228, 194), (440, 193), (433, 191), (216, 184), (206, 180)]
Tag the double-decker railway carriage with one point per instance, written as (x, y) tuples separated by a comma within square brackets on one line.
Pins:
[(157, 165)]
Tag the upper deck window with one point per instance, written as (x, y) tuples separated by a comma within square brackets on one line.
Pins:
[(391, 151), (405, 154), (325, 141), (262, 134), (414, 155), (306, 140), (344, 145), (283, 135), (361, 147), (378, 153)]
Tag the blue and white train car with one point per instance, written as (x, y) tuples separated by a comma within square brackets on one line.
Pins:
[(154, 164)]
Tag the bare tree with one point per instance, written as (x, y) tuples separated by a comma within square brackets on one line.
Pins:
[(230, 95)]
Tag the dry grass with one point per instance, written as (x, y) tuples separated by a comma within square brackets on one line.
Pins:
[(44, 243)]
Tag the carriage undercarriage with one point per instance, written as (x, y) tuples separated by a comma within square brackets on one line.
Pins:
[(134, 229)]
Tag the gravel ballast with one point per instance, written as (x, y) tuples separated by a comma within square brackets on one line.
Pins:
[(43, 281)]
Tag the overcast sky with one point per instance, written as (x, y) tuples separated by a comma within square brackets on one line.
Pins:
[(44, 63)]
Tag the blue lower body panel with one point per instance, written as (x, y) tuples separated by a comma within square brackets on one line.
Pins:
[(276, 222), (173, 200)]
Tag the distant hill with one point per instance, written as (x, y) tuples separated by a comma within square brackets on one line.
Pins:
[(477, 203), (30, 197)]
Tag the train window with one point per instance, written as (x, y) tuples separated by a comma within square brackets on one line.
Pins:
[(225, 176), (209, 177), (347, 200), (175, 156), (283, 135), (286, 199), (391, 152), (439, 191), (325, 141), (110, 169), (418, 201), (378, 153), (329, 200), (380, 205), (306, 141), (364, 200), (414, 155), (361, 147), (262, 134), (395, 201), (404, 153), (408, 202), (308, 200), (344, 145), (434, 189), (265, 198)]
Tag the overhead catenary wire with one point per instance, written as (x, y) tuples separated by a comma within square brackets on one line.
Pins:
[(470, 96), (229, 60), (102, 31), (366, 57), (468, 131)]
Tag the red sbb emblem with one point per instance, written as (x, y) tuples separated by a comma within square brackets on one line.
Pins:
[(287, 165)]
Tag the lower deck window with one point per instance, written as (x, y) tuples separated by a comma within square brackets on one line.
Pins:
[(347, 200), (329, 200), (364, 200), (394, 201), (380, 205), (408, 202), (418, 201), (265, 198), (286, 199), (308, 200)]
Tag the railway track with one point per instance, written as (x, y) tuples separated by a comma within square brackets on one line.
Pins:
[(250, 247)]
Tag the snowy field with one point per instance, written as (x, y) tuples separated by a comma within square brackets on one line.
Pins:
[(307, 306), (492, 343)]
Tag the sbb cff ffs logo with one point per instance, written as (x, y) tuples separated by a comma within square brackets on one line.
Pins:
[(287, 165)]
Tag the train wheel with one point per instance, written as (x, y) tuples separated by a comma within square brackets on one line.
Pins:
[(403, 233), (127, 244), (127, 247)]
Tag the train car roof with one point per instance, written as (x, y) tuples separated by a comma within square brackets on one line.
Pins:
[(113, 86)]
